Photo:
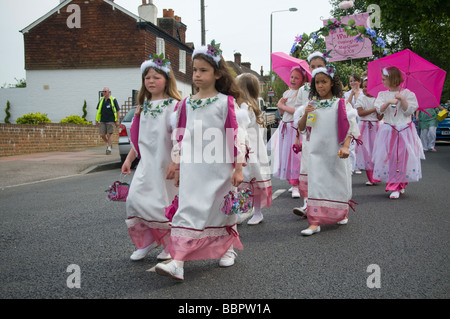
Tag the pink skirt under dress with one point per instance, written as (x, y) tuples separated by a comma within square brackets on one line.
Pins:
[(397, 153)]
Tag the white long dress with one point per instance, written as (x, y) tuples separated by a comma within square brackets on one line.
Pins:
[(397, 148), (257, 171), (200, 230), (150, 192), (303, 99), (329, 177)]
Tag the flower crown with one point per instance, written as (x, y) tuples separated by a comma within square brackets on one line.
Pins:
[(212, 50), (157, 62), (329, 70), (325, 55)]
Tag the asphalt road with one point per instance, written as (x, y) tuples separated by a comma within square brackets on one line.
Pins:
[(401, 245)]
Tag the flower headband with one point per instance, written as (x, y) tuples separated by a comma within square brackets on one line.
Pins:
[(329, 70), (157, 62), (325, 55), (212, 50), (385, 72)]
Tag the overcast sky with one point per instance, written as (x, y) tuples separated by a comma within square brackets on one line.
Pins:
[(239, 25)]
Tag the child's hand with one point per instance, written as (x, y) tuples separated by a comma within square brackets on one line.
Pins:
[(282, 103), (170, 174), (344, 152), (309, 108), (126, 167), (394, 101), (176, 177), (399, 97), (237, 177)]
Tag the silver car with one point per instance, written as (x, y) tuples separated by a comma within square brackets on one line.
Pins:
[(124, 136)]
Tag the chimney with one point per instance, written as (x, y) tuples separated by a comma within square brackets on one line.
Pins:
[(237, 58), (148, 11), (247, 64), (262, 71), (172, 25)]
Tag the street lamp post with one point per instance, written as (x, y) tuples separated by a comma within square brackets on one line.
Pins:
[(291, 10)]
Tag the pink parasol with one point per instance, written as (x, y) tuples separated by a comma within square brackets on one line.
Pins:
[(423, 78), (283, 63)]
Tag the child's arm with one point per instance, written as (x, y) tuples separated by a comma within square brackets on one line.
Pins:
[(302, 122), (284, 108), (344, 151), (126, 167), (238, 177)]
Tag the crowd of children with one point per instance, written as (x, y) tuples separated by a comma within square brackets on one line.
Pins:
[(311, 149)]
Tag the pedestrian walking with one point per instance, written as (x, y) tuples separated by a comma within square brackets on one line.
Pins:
[(257, 171), (351, 97), (315, 60), (200, 230), (397, 148), (427, 127), (333, 126), (286, 162), (369, 123), (108, 115), (150, 190)]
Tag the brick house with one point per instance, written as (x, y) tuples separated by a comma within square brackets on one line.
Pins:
[(81, 46)]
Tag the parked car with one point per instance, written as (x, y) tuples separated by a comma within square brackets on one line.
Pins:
[(443, 129), (124, 136)]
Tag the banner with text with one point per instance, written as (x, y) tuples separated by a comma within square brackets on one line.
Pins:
[(344, 47)]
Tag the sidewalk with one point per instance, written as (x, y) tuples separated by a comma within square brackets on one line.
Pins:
[(29, 168)]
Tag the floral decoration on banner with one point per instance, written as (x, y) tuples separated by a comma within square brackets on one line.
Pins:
[(359, 32)]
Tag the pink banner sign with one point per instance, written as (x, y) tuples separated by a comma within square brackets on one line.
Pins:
[(344, 47)]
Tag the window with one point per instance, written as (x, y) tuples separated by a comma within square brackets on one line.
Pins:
[(160, 46), (182, 67)]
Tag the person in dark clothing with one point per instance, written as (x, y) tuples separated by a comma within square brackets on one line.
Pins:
[(107, 117)]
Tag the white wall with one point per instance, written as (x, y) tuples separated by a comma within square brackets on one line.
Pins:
[(61, 93)]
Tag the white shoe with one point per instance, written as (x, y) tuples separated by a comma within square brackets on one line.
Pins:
[(290, 189), (300, 211), (394, 195), (228, 258), (357, 172), (309, 232), (295, 193), (368, 183), (170, 270), (164, 256), (343, 222), (255, 220), (244, 216), (141, 253)]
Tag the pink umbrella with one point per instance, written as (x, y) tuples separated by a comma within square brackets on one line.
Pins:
[(283, 63), (423, 78)]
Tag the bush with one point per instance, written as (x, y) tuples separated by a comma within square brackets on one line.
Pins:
[(8, 114), (33, 118), (74, 119)]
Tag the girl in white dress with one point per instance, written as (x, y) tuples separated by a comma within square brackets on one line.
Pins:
[(150, 192), (207, 171), (398, 150), (315, 60), (257, 171), (329, 171), (369, 123), (286, 163)]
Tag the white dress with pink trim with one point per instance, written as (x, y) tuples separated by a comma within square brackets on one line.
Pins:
[(200, 230), (398, 150), (150, 192), (368, 126), (329, 177), (257, 172)]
